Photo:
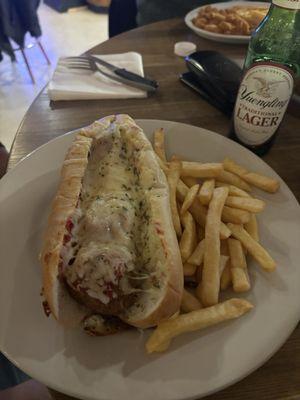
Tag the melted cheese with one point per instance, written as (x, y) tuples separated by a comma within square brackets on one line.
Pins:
[(111, 219), (116, 249), (99, 267), (108, 204)]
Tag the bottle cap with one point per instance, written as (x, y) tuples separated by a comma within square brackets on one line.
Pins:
[(184, 49)]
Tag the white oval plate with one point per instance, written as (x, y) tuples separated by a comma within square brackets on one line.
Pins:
[(117, 367), (219, 37)]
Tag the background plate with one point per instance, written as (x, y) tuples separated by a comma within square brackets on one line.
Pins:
[(218, 37), (117, 367)]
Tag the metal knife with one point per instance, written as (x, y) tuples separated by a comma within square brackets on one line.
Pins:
[(124, 73)]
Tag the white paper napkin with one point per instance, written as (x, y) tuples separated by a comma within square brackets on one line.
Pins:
[(70, 84)]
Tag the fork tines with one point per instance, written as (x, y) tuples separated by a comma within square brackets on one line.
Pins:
[(77, 62)]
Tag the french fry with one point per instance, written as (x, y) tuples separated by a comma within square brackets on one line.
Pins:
[(163, 347), (247, 204), (162, 165), (261, 181), (233, 190), (201, 170), (240, 280), (181, 190), (189, 302), (235, 215), (159, 144), (206, 191), (234, 180), (239, 274), (252, 228), (175, 157), (175, 315), (189, 181), (197, 256), (231, 166), (226, 276), (223, 262), (198, 211), (186, 219), (254, 248), (210, 284), (188, 239), (196, 320), (189, 269), (189, 198), (173, 178)]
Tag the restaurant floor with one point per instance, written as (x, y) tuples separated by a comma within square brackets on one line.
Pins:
[(68, 33)]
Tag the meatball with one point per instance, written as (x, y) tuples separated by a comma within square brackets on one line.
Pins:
[(111, 219), (99, 278)]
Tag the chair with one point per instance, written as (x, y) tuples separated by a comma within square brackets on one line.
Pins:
[(17, 17), (29, 46)]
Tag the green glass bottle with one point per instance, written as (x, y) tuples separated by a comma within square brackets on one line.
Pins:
[(271, 66)]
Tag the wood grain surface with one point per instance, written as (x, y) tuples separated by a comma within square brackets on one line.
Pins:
[(279, 378)]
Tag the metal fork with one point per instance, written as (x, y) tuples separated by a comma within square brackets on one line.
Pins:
[(89, 64)]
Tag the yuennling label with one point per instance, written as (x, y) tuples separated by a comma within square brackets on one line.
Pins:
[(261, 102)]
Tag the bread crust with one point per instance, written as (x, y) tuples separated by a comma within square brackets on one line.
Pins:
[(64, 308), (158, 200)]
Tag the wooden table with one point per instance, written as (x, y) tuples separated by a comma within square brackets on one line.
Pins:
[(279, 378)]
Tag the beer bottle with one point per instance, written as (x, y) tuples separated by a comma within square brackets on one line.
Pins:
[(271, 66)]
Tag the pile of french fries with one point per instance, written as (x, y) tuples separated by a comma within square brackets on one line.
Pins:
[(214, 216)]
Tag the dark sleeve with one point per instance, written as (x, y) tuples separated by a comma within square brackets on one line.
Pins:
[(27, 12), (5, 45), (122, 16)]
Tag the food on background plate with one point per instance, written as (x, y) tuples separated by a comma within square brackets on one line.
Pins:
[(110, 248), (237, 20), (128, 228)]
